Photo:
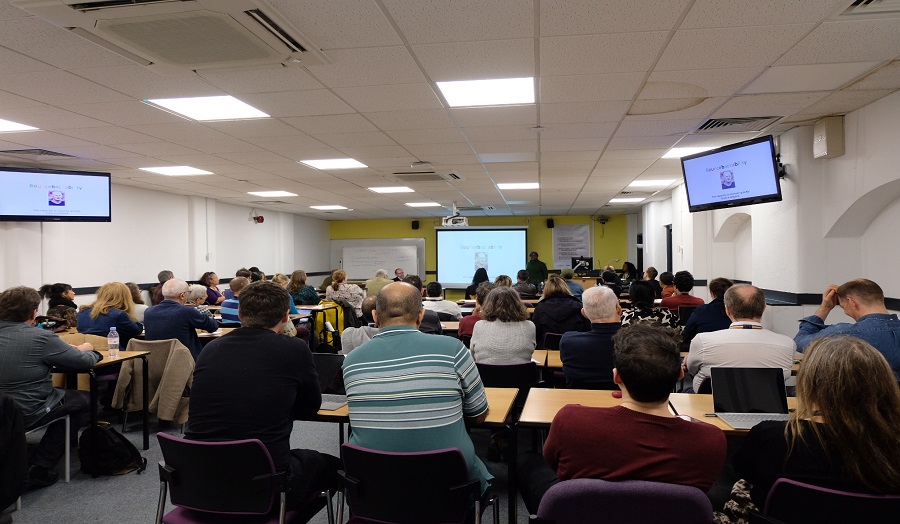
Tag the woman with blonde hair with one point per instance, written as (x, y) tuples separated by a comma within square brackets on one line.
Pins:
[(842, 436), (558, 311), (504, 335), (341, 290), (301, 292), (503, 281), (113, 307), (282, 280)]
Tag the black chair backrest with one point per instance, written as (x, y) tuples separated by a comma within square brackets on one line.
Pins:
[(445, 317), (509, 375), (684, 313), (466, 339), (228, 477), (328, 367), (414, 488), (551, 341), (793, 501), (705, 387), (13, 453)]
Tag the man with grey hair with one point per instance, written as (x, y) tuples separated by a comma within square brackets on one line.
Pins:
[(745, 344), (157, 296), (172, 319), (374, 285), (587, 357)]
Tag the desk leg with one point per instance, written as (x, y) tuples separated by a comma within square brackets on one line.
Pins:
[(146, 403), (512, 490), (93, 419), (313, 337)]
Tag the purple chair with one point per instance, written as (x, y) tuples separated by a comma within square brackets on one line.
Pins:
[(233, 481), (633, 501), (793, 502)]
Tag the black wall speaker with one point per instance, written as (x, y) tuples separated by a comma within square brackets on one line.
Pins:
[(550, 223), (415, 224)]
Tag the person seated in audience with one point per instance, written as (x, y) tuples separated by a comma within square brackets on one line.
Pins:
[(629, 272), (282, 280), (341, 290), (610, 280), (27, 356), (374, 285), (196, 298), (842, 436), (467, 323), (745, 344), (172, 319), (433, 382), (138, 299), (709, 317), (502, 281), (326, 283), (684, 283), (254, 383), (612, 269), (479, 277), (504, 335), (59, 294), (650, 276), (575, 287), (243, 272), (558, 311), (300, 291), (522, 286), (642, 308), (435, 301), (257, 275), (157, 296), (863, 301), (353, 337), (399, 275), (667, 280), (587, 358), (211, 281), (637, 440), (431, 323), (229, 310), (112, 308)]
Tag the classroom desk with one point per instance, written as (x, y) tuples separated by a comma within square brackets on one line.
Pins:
[(215, 334), (543, 404), (449, 327), (698, 406), (540, 356)]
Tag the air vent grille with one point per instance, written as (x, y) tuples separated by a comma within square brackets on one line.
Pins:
[(35, 153), (737, 125), (871, 8), (276, 31), (268, 202), (405, 176), (85, 7)]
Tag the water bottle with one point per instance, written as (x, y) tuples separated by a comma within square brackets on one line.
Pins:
[(112, 340)]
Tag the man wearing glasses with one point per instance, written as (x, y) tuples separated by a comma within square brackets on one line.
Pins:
[(172, 319)]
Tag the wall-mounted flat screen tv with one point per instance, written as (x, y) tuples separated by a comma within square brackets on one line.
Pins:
[(45, 195), (738, 174)]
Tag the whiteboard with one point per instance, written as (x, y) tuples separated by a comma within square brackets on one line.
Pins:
[(361, 258)]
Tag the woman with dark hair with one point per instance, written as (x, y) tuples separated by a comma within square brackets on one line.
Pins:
[(843, 434), (558, 311), (59, 294), (139, 306), (629, 272), (210, 280), (479, 277), (642, 297), (301, 292), (504, 335)]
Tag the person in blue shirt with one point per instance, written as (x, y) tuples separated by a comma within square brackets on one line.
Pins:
[(229, 310), (114, 307), (863, 301), (172, 319)]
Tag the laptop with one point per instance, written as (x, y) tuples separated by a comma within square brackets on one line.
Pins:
[(744, 397)]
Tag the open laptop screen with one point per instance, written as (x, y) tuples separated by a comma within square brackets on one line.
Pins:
[(748, 390)]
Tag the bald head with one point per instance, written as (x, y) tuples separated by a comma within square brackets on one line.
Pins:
[(745, 302), (173, 288), (398, 304)]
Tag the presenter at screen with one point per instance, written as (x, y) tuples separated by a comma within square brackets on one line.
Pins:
[(727, 179), (56, 198)]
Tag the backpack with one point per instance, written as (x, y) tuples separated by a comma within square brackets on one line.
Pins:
[(114, 455)]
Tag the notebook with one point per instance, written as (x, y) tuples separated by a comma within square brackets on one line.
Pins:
[(744, 397)]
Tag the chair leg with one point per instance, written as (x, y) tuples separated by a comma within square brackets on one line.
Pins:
[(477, 511), (496, 503), (124, 419), (281, 507), (329, 507), (18, 503), (161, 504), (340, 511), (68, 448)]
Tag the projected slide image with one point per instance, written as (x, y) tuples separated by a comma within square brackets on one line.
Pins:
[(462, 251)]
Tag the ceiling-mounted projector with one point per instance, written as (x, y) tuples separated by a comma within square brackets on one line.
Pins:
[(455, 222)]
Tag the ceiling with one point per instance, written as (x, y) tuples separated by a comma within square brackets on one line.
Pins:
[(617, 85)]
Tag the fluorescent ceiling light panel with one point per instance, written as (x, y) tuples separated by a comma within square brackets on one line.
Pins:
[(626, 200), (394, 189), (423, 204), (650, 183), (498, 92), (520, 185), (7, 126), (328, 208), (334, 163), (272, 193), (176, 170), (678, 152), (209, 108)]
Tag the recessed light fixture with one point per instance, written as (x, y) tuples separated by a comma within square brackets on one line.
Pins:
[(272, 193), (678, 152), (328, 208), (394, 189), (423, 204), (495, 92), (650, 183), (626, 200), (334, 163), (520, 185), (7, 126), (208, 108), (176, 170)]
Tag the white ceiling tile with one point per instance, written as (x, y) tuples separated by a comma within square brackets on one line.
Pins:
[(441, 160), (714, 13), (329, 124), (198, 160), (95, 151), (13, 62), (506, 146), (632, 127), (389, 97), (11, 100), (368, 67), (427, 136), (411, 119), (843, 102), (426, 21), (767, 105), (629, 154), (590, 88), (225, 145), (569, 156), (595, 54), (156, 149), (109, 135), (573, 144), (888, 77), (362, 153), (48, 117), (857, 40), (573, 112), (477, 60), (674, 109), (297, 103), (182, 132), (725, 48), (262, 80), (141, 83), (253, 128), (124, 113), (495, 116), (54, 45), (578, 130), (580, 17), (428, 151), (44, 139), (341, 140), (338, 24), (250, 158), (494, 133), (654, 142), (811, 77), (708, 82), (397, 163), (53, 87), (300, 144)]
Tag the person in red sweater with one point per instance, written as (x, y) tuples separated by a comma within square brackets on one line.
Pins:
[(467, 323), (684, 283), (637, 440)]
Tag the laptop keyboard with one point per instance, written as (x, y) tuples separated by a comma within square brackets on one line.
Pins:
[(748, 420)]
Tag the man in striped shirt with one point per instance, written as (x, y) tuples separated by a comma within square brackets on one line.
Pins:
[(408, 391)]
